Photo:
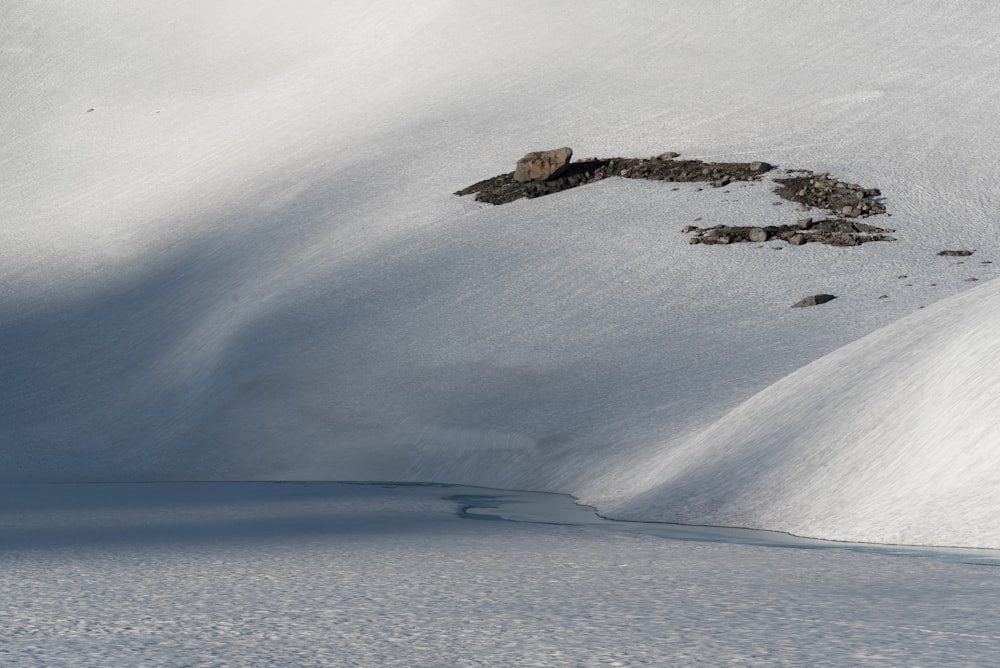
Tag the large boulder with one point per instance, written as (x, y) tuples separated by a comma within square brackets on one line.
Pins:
[(543, 165)]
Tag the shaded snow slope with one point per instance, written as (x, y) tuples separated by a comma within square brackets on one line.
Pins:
[(229, 248)]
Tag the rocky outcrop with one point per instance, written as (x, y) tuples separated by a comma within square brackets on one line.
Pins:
[(542, 165), (832, 231), (819, 190), (507, 188), (546, 172)]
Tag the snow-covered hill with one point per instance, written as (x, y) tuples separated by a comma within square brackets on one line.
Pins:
[(230, 251), (890, 439)]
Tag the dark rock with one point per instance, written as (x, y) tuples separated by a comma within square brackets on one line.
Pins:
[(955, 253), (817, 191), (813, 300), (820, 191), (542, 165), (833, 231), (506, 188)]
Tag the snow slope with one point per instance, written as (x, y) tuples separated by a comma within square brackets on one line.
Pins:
[(898, 450), (230, 250)]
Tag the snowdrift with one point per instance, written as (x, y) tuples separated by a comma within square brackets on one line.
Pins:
[(890, 439), (230, 248)]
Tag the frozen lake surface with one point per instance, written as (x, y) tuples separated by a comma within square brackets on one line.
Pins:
[(547, 508), (328, 574)]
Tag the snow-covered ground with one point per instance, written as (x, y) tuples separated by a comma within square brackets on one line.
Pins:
[(230, 251), (335, 575)]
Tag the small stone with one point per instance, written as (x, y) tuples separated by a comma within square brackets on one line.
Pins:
[(758, 167), (847, 211), (955, 253), (801, 207), (813, 300), (803, 223), (757, 235), (797, 239), (883, 296), (669, 155), (972, 279), (542, 165), (694, 240), (688, 228)]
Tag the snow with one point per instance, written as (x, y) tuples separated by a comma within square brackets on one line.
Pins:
[(898, 451), (242, 574), (230, 252)]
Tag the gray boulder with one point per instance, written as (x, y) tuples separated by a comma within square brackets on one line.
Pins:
[(542, 165), (813, 300)]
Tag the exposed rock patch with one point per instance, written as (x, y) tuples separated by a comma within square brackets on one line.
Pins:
[(819, 190), (546, 172), (833, 231), (506, 188)]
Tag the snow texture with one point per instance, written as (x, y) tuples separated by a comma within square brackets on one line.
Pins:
[(230, 251), (257, 574)]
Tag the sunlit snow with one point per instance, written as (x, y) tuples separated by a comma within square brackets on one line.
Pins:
[(230, 251)]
